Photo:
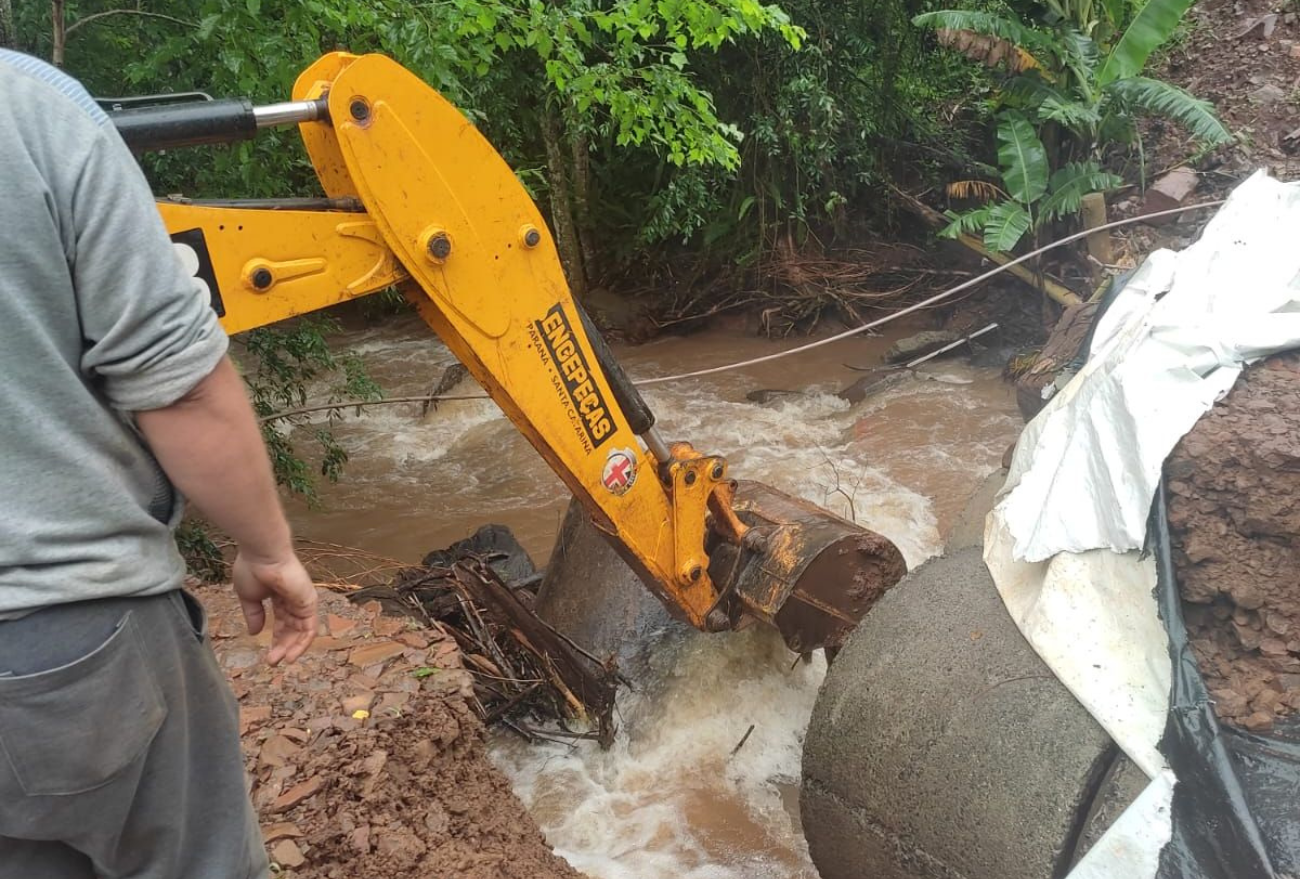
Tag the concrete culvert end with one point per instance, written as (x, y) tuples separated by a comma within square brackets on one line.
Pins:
[(942, 746)]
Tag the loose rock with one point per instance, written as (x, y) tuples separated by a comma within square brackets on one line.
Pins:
[(408, 791), (287, 854), (919, 345), (1169, 192)]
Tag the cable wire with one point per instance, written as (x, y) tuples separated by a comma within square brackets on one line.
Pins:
[(808, 346), (924, 303)]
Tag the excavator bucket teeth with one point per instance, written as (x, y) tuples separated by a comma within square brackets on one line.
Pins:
[(804, 571)]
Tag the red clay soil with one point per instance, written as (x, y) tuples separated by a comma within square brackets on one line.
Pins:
[(1243, 56), (1234, 514), (366, 759)]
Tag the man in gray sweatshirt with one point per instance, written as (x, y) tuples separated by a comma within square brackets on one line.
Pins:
[(119, 746)]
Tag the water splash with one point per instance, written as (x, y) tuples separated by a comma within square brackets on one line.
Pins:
[(668, 800)]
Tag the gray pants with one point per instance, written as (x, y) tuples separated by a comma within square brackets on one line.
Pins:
[(119, 747)]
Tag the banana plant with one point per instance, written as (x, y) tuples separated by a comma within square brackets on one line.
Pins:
[(1034, 194), (1091, 88), (1095, 90)]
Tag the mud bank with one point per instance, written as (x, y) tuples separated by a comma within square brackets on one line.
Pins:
[(1234, 513), (366, 759)]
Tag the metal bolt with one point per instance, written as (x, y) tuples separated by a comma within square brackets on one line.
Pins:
[(718, 471), (696, 573), (690, 477), (440, 246), (532, 237), (262, 278), (360, 110)]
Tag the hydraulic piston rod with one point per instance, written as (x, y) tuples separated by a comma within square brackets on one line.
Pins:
[(192, 123)]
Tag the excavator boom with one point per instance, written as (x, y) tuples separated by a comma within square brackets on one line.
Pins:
[(416, 197)]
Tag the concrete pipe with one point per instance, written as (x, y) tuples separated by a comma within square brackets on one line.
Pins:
[(942, 746)]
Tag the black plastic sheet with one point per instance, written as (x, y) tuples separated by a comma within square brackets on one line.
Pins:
[(1236, 805)]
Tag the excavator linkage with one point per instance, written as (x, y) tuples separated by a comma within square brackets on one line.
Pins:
[(415, 196)]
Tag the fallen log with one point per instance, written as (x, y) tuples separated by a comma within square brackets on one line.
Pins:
[(1045, 285)]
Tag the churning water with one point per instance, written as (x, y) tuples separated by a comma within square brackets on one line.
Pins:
[(671, 799)]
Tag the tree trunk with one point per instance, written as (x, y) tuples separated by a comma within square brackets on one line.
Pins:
[(8, 35), (60, 32), (566, 231), (582, 199)]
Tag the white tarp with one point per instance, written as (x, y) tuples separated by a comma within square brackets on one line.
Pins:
[(1063, 543), (1086, 469)]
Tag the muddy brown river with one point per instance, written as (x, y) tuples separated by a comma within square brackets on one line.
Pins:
[(670, 799)]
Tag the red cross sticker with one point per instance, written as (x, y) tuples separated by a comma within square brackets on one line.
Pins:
[(620, 471)]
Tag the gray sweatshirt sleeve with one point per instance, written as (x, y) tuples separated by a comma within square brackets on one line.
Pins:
[(150, 333)]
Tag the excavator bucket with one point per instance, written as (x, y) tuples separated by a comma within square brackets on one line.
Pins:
[(800, 569)]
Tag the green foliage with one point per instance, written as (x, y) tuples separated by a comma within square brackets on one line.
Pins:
[(287, 362), (1093, 89), (1068, 186), (1001, 26), (1087, 86), (203, 558), (685, 109), (1154, 23), (1023, 159), (1035, 196), (1154, 96)]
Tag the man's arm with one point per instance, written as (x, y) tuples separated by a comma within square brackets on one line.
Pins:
[(153, 347), (209, 444)]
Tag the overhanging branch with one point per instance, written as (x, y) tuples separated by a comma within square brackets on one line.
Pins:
[(92, 17)]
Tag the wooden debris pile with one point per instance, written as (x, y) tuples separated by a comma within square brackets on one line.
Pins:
[(523, 668), (850, 285)]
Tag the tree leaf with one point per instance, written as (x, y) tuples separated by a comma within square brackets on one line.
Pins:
[(1081, 56), (207, 26), (1029, 91), (1154, 23), (1023, 158), (1077, 116), (980, 189), (985, 23), (990, 51), (1115, 11), (964, 223), (1070, 184), (1164, 99), (1007, 223)]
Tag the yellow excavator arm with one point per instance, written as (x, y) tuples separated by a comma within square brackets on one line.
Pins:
[(415, 196)]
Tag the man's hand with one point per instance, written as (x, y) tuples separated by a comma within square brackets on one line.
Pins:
[(293, 599), (210, 445)]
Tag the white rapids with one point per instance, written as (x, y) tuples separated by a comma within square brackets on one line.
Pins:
[(670, 799)]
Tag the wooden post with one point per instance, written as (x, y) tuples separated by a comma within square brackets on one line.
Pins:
[(59, 35), (1100, 246)]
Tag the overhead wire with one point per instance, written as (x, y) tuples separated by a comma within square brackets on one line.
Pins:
[(807, 346), (924, 303)]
